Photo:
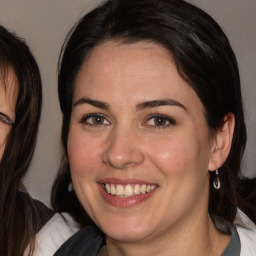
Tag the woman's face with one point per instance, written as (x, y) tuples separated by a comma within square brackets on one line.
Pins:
[(139, 146), (8, 98)]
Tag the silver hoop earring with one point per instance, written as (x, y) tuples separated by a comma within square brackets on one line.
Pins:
[(70, 187), (216, 182)]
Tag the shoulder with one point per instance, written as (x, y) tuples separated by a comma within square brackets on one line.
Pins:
[(44, 213), (247, 234), (87, 241), (54, 233), (38, 211)]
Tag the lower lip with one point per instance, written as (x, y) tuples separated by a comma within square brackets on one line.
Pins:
[(125, 202)]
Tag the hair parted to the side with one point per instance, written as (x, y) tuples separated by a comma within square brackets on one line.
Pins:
[(18, 218), (203, 57)]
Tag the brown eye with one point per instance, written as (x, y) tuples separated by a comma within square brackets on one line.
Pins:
[(158, 121), (97, 120)]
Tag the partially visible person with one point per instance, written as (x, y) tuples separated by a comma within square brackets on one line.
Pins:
[(21, 217)]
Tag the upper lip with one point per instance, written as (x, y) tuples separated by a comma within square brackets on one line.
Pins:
[(124, 181)]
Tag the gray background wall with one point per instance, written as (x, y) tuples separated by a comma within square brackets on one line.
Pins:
[(44, 25)]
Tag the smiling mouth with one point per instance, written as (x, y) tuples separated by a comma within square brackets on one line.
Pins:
[(129, 190)]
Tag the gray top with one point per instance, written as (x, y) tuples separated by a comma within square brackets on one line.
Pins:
[(234, 246)]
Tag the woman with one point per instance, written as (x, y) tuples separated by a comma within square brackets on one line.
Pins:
[(20, 105), (153, 134)]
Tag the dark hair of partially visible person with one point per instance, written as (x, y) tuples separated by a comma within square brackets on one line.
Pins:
[(204, 59), (19, 220)]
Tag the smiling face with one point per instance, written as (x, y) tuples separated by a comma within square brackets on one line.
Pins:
[(139, 146), (8, 98)]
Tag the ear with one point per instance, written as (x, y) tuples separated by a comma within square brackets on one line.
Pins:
[(222, 143)]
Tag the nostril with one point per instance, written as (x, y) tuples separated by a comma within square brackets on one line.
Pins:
[(122, 149), (123, 159)]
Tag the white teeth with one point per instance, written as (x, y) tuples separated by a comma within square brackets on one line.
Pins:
[(119, 190), (128, 190), (136, 189), (152, 187), (113, 190), (108, 188), (143, 189)]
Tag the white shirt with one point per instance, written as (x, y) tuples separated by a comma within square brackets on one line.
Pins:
[(247, 232), (53, 234)]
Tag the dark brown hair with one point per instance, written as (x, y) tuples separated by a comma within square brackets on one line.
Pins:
[(203, 57), (18, 217)]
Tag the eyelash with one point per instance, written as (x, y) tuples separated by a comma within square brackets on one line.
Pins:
[(164, 118)]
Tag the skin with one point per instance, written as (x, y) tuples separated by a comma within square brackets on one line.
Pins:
[(8, 99), (127, 144)]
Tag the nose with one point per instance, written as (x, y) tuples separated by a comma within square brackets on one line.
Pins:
[(123, 150)]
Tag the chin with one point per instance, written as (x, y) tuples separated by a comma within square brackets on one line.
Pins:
[(126, 230)]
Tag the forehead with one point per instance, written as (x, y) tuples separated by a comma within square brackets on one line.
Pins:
[(141, 68), (119, 63), (129, 55)]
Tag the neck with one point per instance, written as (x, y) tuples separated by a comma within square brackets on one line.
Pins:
[(202, 239)]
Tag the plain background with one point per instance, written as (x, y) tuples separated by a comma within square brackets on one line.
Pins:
[(44, 25)]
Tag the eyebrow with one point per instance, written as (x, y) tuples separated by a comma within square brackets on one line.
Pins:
[(139, 106), (158, 103), (95, 103)]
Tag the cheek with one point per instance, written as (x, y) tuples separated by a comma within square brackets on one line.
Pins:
[(83, 153), (4, 131), (180, 155), (2, 147), (170, 152)]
